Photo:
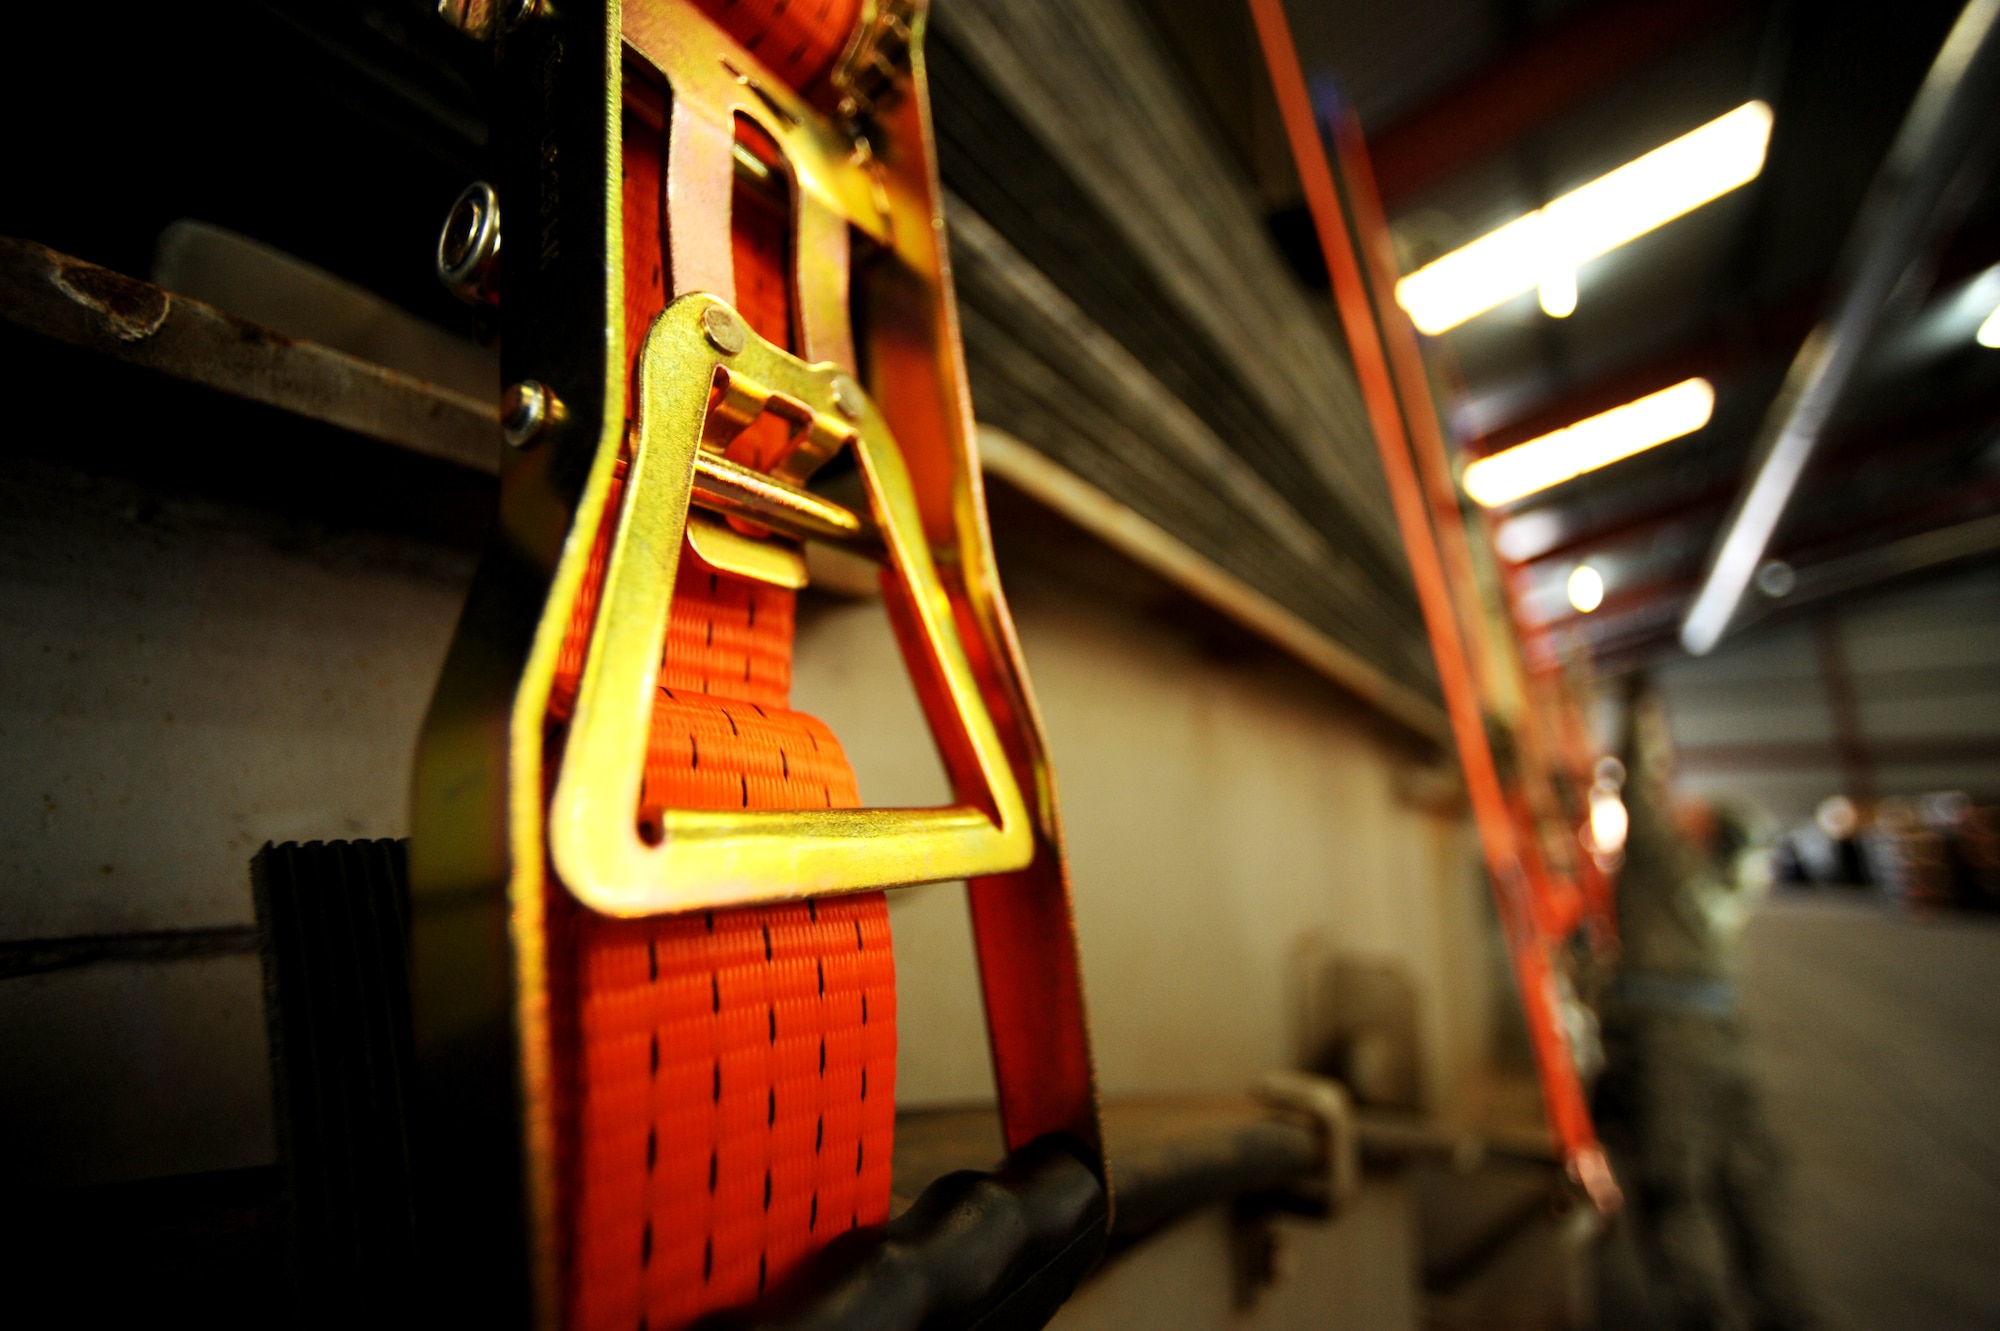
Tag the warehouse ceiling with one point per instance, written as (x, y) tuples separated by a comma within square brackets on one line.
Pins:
[(1479, 111)]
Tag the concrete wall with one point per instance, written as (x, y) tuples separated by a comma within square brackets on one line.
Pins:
[(185, 679), (180, 681)]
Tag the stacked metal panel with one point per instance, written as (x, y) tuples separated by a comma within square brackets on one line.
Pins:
[(1125, 313)]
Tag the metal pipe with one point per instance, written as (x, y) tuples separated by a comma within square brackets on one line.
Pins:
[(1948, 122)]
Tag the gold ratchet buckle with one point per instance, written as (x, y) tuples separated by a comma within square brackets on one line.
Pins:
[(703, 376)]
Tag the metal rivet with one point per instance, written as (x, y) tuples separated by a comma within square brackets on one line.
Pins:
[(468, 253), (847, 397), (723, 329), (526, 409)]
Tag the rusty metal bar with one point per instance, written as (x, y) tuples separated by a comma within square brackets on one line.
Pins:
[(68, 300)]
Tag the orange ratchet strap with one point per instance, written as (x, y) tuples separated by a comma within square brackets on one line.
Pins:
[(655, 995), (1538, 905), (735, 1082)]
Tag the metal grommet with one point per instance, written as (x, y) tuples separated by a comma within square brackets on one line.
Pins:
[(526, 409), (847, 397), (723, 329), (468, 254)]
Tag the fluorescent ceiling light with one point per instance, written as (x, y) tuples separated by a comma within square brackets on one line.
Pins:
[(1586, 588), (1989, 332), (1537, 251), (1591, 443)]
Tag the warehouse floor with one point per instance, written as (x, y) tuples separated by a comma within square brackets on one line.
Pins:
[(1879, 1045)]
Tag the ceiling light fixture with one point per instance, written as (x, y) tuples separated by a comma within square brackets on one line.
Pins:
[(1533, 252), (1586, 588), (1594, 442)]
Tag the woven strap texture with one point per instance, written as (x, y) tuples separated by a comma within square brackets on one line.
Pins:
[(734, 1077)]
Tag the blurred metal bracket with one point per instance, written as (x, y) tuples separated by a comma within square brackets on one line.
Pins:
[(1326, 1102)]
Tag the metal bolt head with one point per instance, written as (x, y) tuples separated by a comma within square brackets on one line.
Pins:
[(526, 409), (486, 20), (847, 397), (468, 254), (723, 329)]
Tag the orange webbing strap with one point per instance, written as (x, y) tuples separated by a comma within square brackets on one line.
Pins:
[(1513, 859), (733, 1085)]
